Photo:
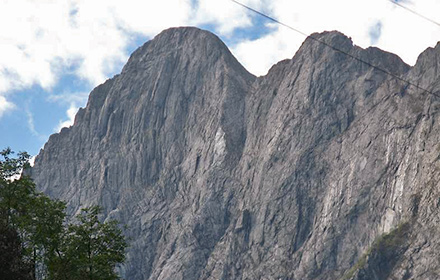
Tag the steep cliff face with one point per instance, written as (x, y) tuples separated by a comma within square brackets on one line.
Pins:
[(325, 168)]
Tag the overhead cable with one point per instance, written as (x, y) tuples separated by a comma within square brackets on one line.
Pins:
[(397, 3), (334, 48)]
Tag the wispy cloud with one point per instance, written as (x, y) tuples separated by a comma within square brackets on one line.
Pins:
[(71, 113), (75, 101), (69, 98), (374, 32), (5, 105), (31, 125)]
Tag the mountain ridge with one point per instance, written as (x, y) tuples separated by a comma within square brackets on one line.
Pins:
[(223, 175)]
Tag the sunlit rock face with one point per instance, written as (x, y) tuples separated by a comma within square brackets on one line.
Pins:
[(298, 174)]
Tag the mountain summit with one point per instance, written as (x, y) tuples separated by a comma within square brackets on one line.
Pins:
[(325, 168)]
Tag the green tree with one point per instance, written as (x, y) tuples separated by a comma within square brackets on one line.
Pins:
[(37, 242), (14, 191), (12, 265), (91, 249), (28, 217)]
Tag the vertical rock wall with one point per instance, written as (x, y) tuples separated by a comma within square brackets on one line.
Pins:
[(294, 175)]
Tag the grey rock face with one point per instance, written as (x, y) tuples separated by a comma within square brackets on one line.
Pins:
[(298, 174)]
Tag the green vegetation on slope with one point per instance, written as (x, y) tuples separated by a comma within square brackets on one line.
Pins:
[(384, 251)]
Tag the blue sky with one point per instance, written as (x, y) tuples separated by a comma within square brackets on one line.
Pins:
[(41, 112), (53, 53)]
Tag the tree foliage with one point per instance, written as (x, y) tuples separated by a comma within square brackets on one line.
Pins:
[(36, 242), (12, 265), (36, 219), (91, 248)]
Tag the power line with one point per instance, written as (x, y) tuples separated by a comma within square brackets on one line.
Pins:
[(414, 12), (334, 48)]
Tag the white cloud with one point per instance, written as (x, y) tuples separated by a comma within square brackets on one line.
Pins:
[(260, 54), (224, 14), (40, 39), (5, 105), (402, 33), (31, 125), (69, 98), (71, 112), (30, 121), (32, 160), (74, 100)]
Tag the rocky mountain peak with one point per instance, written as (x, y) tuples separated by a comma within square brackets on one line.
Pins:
[(431, 53), (191, 42), (334, 47), (333, 38), (318, 46), (427, 67)]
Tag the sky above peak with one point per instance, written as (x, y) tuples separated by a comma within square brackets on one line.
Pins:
[(53, 53)]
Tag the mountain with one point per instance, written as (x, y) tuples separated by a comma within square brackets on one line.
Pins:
[(325, 168)]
